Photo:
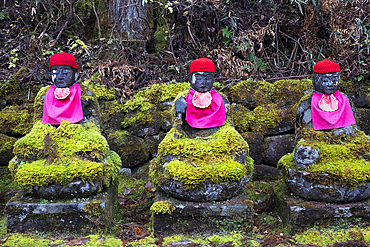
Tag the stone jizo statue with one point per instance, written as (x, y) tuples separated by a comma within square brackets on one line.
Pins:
[(204, 107), (64, 155), (327, 109), (202, 158), (331, 151)]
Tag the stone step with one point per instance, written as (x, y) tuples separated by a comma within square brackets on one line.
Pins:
[(27, 214), (190, 218)]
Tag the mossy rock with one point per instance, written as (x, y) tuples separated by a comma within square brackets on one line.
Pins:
[(16, 120), (341, 171), (50, 155), (209, 168), (252, 93), (130, 148), (260, 119), (150, 108), (6, 149)]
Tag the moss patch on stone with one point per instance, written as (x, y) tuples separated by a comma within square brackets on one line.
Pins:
[(70, 139), (143, 109), (12, 85), (258, 120), (16, 121), (252, 93), (6, 143), (81, 152), (342, 157), (162, 207), (100, 91), (202, 159), (327, 236)]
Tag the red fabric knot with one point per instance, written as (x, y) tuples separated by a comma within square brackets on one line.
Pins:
[(326, 120), (328, 103), (209, 117), (70, 108), (202, 100)]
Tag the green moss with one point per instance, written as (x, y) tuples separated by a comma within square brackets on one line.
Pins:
[(345, 158), (328, 236), (143, 108), (101, 91), (203, 158), (73, 143), (252, 93), (290, 90), (93, 208), (39, 103), (159, 93), (12, 85), (69, 138), (128, 145), (162, 207), (258, 120), (259, 190), (191, 177), (27, 240), (6, 143), (16, 121)]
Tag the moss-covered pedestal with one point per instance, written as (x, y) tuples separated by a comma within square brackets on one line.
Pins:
[(327, 176), (201, 168)]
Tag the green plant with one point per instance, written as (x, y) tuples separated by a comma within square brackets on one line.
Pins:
[(4, 14), (227, 35), (14, 58)]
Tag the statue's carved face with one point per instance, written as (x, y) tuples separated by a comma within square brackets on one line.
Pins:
[(202, 81), (63, 76), (326, 83)]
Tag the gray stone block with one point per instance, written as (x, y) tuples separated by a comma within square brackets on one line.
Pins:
[(190, 218), (27, 214), (298, 214)]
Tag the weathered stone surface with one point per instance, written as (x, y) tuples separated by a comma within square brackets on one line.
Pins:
[(255, 143), (75, 189), (276, 147), (6, 149), (264, 172), (149, 124), (359, 100), (190, 218), (298, 214), (130, 148), (287, 123), (26, 214), (363, 119), (207, 192), (111, 116), (322, 188), (305, 156), (152, 142)]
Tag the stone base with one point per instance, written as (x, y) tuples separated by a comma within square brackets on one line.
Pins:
[(191, 218), (27, 214), (299, 214)]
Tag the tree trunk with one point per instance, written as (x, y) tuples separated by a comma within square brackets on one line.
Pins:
[(129, 17)]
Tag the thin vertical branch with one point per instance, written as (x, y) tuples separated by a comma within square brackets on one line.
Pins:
[(97, 18)]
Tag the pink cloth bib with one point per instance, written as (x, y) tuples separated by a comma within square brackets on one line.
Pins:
[(209, 117), (323, 120), (56, 110)]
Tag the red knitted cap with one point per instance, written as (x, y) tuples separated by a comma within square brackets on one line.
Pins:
[(63, 59), (325, 67), (202, 65)]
